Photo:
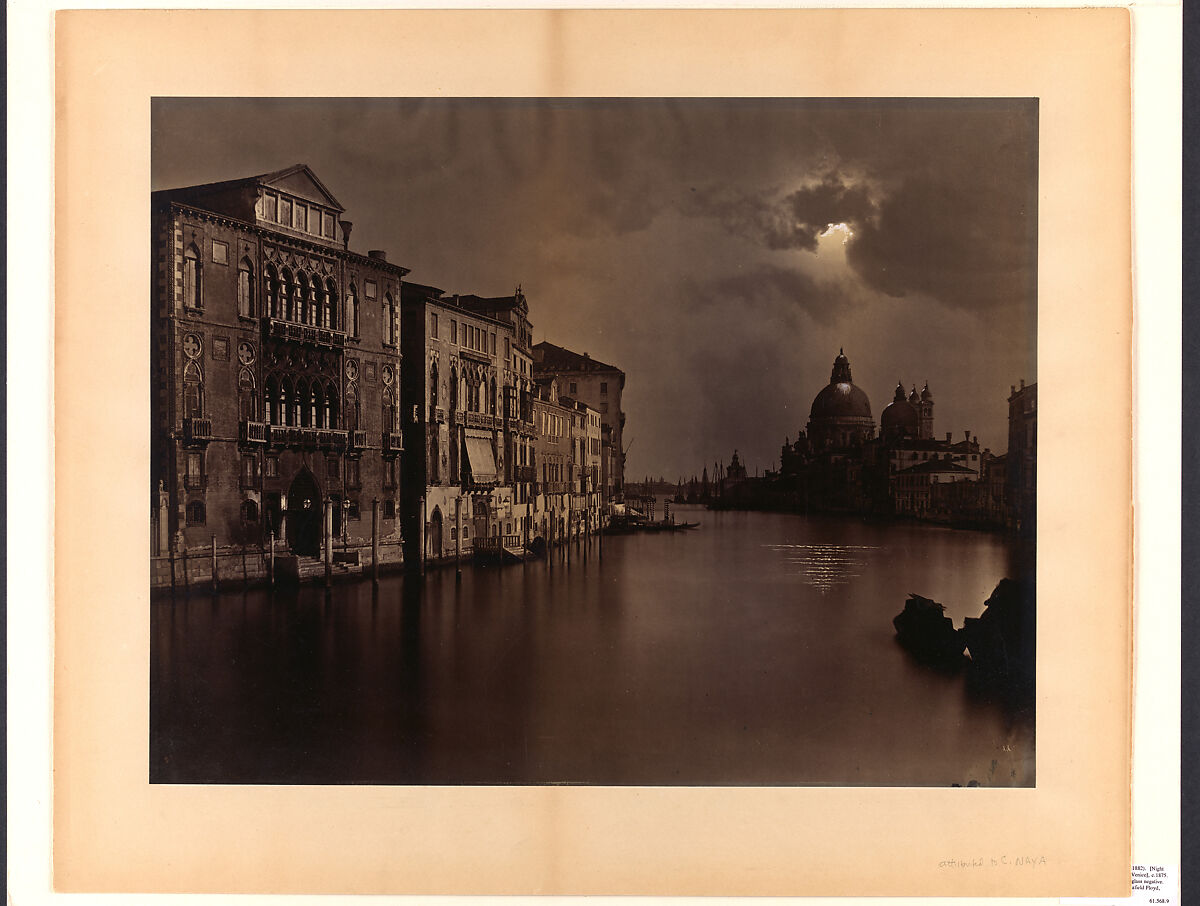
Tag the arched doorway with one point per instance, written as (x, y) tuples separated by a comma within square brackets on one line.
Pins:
[(304, 515), (434, 542)]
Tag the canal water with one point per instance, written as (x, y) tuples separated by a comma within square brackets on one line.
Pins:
[(758, 649)]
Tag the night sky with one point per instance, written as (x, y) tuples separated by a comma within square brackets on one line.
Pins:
[(720, 251)]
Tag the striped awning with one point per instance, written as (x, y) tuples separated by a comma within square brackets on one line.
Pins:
[(479, 455)]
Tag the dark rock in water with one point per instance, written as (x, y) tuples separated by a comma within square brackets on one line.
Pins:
[(1002, 640), (925, 630)]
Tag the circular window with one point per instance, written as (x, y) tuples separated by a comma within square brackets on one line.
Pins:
[(192, 346), (245, 353)]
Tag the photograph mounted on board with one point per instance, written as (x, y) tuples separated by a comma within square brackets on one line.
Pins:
[(654, 442)]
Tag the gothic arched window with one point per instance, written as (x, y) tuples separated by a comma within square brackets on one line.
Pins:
[(350, 415), (247, 398), (193, 391), (389, 412), (192, 297), (389, 320), (331, 407), (271, 401), (331, 294), (272, 287), (352, 311), (245, 288), (433, 384), (287, 290)]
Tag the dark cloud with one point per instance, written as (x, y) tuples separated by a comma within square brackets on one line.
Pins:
[(968, 247), (778, 292)]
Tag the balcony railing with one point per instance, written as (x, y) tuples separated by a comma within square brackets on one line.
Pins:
[(193, 482), (296, 436), (437, 415), (304, 333), (331, 438), (393, 442), (357, 440), (524, 473), (252, 432), (197, 428), (480, 420)]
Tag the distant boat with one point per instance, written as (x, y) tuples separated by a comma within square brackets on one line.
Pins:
[(667, 526)]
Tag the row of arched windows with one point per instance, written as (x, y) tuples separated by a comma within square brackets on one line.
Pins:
[(475, 394), (302, 402), (296, 297), (290, 296)]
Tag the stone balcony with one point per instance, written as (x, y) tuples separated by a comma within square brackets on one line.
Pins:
[(307, 438), (304, 333), (252, 432), (393, 442), (197, 430)]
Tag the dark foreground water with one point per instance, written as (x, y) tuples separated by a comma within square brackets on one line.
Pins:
[(758, 649)]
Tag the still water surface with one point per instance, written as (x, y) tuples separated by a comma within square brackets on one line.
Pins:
[(758, 649)]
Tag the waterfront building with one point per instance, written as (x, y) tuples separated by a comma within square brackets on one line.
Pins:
[(586, 443), (1021, 490), (466, 372), (600, 386), (552, 457), (275, 378)]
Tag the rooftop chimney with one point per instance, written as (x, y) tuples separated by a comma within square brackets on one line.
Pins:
[(377, 254), (347, 226), (949, 437), (1022, 383)]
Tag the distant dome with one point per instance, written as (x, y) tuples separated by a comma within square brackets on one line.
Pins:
[(841, 413), (841, 400), (899, 414)]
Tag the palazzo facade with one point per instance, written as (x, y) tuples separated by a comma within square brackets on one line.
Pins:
[(275, 377)]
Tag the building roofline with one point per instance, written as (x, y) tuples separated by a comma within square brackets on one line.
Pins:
[(260, 179), (335, 250)]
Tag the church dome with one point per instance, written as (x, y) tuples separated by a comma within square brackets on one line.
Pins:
[(899, 414), (841, 413), (840, 398)]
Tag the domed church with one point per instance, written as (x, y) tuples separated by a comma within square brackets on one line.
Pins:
[(841, 413), (908, 418)]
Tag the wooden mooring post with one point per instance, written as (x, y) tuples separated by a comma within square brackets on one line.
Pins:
[(375, 540), (327, 532), (458, 538), (214, 564)]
